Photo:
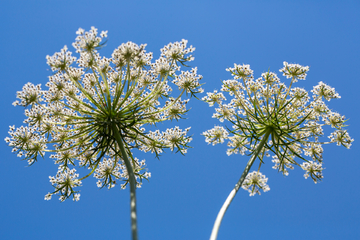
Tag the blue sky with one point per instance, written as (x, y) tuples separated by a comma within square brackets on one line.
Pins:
[(185, 193)]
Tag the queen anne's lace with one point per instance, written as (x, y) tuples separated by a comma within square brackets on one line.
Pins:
[(74, 119), (255, 181), (267, 107)]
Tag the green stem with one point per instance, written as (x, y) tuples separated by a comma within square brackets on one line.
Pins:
[(232, 194), (132, 182)]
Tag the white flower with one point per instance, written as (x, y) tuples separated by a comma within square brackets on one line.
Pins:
[(189, 82), (294, 71), (108, 171), (48, 196), (77, 197), (177, 51), (313, 170), (225, 111), (335, 120), (64, 182), (241, 71), (270, 78), (95, 106), (236, 145), (267, 118), (323, 90), (215, 135), (175, 138), (60, 60), (213, 98), (29, 96), (231, 86), (255, 181), (341, 137), (283, 165)]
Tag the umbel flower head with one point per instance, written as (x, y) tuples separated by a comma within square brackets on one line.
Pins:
[(267, 118), (95, 108)]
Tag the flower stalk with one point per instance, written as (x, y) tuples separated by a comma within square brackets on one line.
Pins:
[(132, 182), (232, 194)]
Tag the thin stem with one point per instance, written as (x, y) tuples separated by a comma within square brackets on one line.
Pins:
[(132, 182), (232, 194)]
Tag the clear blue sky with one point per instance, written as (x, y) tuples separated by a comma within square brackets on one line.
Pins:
[(184, 194)]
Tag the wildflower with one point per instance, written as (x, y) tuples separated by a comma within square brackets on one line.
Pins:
[(294, 71), (216, 135), (255, 181), (267, 118), (313, 169), (94, 114)]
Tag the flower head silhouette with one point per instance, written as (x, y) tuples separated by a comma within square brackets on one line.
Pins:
[(267, 118), (94, 114)]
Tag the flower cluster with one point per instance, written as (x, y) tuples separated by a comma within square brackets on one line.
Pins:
[(64, 182), (270, 119), (254, 182), (95, 109)]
